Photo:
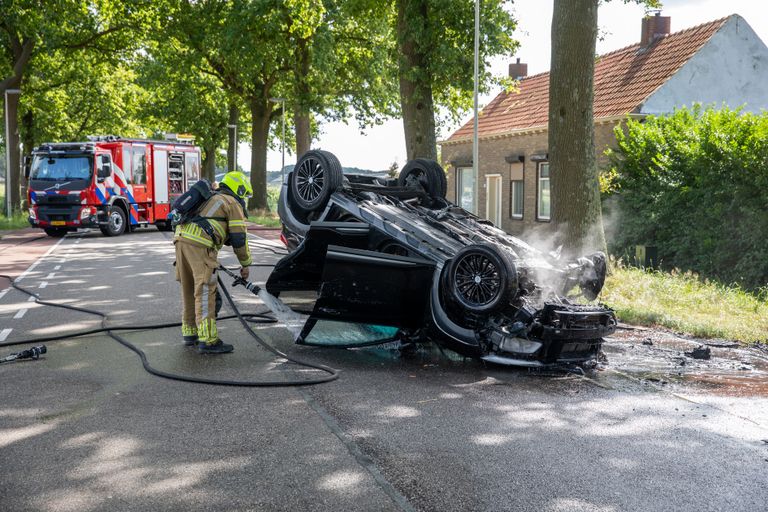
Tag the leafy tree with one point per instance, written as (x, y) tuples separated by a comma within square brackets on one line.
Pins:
[(341, 55), (435, 44), (241, 44), (182, 98), (693, 184), (32, 29)]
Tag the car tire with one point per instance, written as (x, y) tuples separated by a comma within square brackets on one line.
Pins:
[(116, 224), (317, 175), (426, 173), (55, 232), (592, 286), (481, 278)]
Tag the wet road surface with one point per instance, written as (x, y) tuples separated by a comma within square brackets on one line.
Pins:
[(85, 428)]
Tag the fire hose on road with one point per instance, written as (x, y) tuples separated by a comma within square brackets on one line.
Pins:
[(244, 318)]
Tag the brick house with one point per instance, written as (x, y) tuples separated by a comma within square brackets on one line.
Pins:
[(720, 62)]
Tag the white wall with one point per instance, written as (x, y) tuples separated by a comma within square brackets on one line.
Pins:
[(731, 68)]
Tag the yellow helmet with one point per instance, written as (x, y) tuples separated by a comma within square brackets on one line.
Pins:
[(238, 183)]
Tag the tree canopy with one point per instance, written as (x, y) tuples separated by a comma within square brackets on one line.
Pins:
[(142, 67)]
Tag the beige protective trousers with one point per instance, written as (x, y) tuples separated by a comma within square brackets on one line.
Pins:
[(196, 271)]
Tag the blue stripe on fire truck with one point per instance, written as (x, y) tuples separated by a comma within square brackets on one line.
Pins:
[(134, 206), (100, 196)]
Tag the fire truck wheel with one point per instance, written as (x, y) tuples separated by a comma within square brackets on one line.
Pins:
[(164, 226), (55, 232), (115, 225)]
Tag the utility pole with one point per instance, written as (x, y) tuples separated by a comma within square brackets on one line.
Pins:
[(281, 101), (475, 140)]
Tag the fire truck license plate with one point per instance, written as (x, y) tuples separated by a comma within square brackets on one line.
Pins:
[(57, 223)]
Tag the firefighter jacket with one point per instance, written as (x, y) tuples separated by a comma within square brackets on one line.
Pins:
[(225, 215)]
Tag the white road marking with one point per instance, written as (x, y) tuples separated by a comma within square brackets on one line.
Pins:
[(2, 293), (57, 267), (20, 313), (4, 334), (41, 258), (43, 284), (50, 276), (31, 298)]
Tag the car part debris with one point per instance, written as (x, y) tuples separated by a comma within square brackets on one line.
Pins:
[(394, 252), (700, 352)]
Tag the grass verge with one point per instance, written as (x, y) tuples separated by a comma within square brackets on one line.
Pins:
[(265, 218), (18, 221), (685, 303)]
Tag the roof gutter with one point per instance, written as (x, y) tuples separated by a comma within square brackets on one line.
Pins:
[(537, 129)]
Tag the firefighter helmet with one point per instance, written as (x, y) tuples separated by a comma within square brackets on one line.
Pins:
[(238, 183)]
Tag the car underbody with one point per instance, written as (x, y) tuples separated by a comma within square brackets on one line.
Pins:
[(395, 253)]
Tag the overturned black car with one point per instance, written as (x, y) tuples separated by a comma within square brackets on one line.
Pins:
[(393, 259)]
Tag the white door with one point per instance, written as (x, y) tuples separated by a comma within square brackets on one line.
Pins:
[(493, 198)]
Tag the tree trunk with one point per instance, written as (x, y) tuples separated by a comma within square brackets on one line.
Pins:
[(301, 120), (261, 108), (209, 161), (576, 211), (234, 119), (415, 81), (14, 174), (28, 143), (303, 131)]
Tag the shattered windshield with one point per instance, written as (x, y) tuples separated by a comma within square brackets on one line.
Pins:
[(61, 167)]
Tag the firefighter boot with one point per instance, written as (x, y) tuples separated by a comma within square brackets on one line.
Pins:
[(189, 334), (218, 347)]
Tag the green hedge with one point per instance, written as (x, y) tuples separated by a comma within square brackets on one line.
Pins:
[(695, 184)]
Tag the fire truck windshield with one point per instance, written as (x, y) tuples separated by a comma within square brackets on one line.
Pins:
[(61, 167)]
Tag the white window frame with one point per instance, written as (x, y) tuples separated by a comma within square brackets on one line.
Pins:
[(539, 188), (512, 196), (497, 219), (459, 187)]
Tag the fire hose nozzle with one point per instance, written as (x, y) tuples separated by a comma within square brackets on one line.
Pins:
[(30, 353), (251, 287)]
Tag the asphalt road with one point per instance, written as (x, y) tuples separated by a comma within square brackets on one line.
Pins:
[(85, 428)]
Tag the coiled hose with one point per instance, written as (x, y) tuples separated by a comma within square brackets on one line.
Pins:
[(254, 317)]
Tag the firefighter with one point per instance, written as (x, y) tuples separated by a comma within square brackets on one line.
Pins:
[(220, 220)]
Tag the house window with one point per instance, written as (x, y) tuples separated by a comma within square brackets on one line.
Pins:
[(466, 190), (544, 198), (516, 199), (139, 165)]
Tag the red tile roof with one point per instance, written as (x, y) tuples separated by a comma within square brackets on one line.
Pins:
[(623, 80)]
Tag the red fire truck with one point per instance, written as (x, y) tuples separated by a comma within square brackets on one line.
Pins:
[(108, 182)]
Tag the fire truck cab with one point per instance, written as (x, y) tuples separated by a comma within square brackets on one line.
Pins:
[(109, 182)]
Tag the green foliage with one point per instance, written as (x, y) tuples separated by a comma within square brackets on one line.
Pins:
[(684, 302), (445, 37), (70, 98), (694, 184)]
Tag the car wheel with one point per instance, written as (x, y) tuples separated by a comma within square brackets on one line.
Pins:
[(481, 278), (116, 224), (55, 232), (592, 283), (316, 176), (425, 173)]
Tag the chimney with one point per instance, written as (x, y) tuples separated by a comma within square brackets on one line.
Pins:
[(518, 70), (654, 27)]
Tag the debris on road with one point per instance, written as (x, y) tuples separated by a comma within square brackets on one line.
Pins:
[(700, 352)]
